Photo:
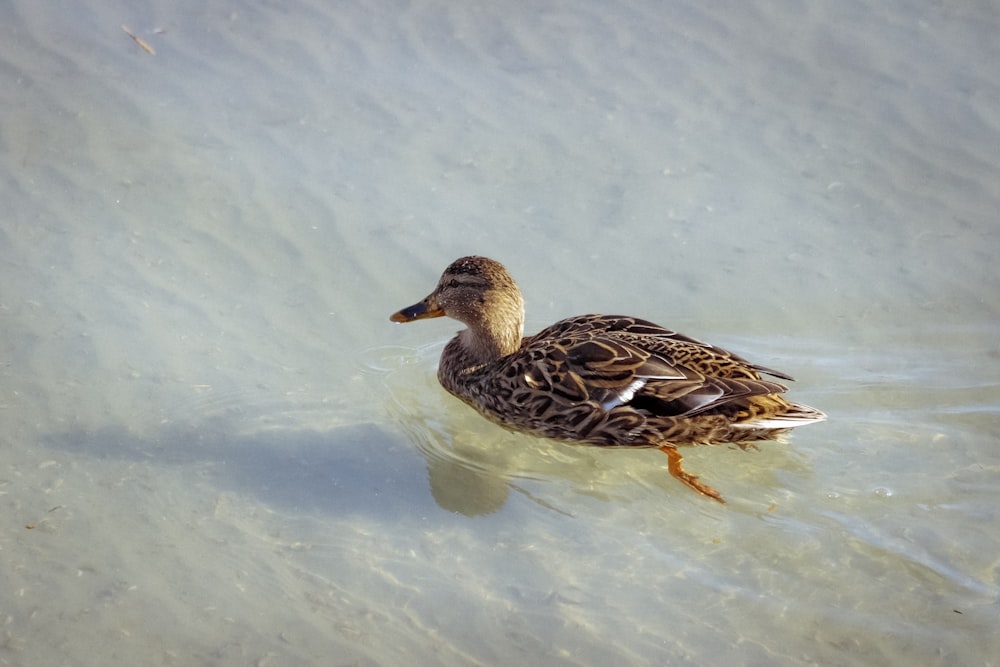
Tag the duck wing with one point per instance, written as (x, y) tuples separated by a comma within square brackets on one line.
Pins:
[(614, 360)]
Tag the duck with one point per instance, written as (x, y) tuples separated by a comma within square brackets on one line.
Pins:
[(603, 380)]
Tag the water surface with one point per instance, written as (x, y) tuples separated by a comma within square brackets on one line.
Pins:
[(217, 450)]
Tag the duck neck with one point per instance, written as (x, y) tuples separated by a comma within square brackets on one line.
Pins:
[(475, 348), (481, 345), (495, 329)]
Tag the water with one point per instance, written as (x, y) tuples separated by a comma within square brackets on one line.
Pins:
[(217, 450)]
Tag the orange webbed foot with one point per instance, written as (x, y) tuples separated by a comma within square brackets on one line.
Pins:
[(674, 465)]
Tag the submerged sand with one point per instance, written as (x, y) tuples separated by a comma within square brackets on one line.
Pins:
[(217, 450)]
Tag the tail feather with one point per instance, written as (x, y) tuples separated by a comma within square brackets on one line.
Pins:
[(795, 415)]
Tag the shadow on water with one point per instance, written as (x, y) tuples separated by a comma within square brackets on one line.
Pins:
[(360, 468)]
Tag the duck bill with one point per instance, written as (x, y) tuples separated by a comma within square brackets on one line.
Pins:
[(419, 311)]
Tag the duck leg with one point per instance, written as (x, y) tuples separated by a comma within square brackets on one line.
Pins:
[(675, 468)]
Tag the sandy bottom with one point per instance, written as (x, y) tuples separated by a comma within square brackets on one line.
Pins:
[(215, 448)]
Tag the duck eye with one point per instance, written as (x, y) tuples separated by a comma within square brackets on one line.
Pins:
[(453, 282)]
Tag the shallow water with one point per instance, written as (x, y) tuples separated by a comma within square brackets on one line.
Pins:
[(217, 450)]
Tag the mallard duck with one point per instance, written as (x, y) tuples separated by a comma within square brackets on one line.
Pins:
[(605, 380)]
